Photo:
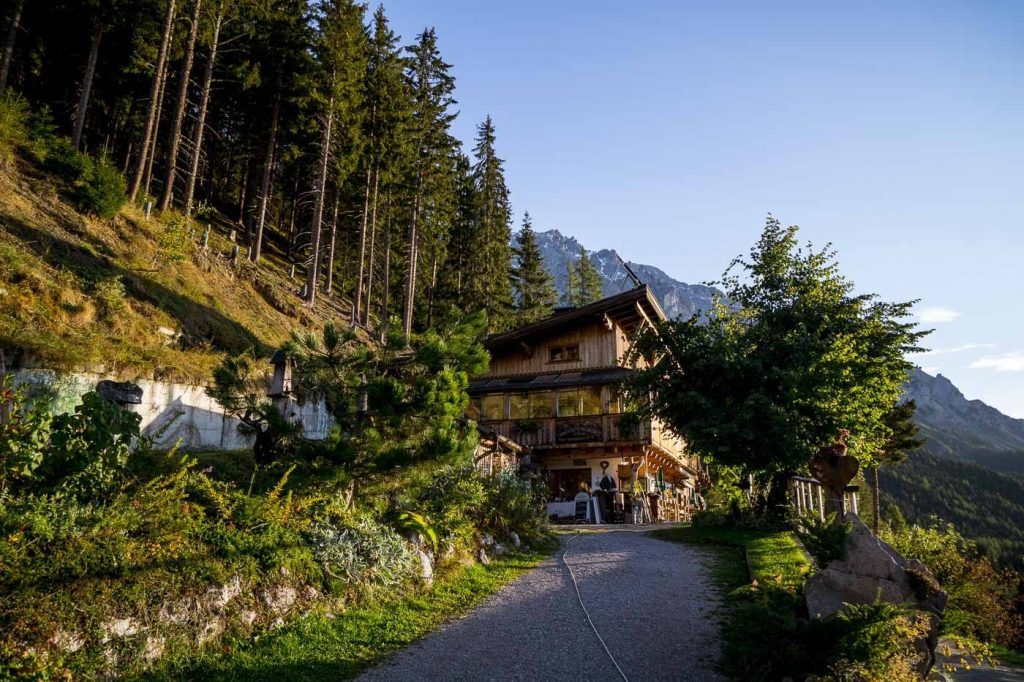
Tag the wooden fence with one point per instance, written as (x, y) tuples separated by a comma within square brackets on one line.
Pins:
[(807, 496)]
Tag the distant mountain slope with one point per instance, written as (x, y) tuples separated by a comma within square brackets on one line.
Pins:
[(677, 298), (963, 429)]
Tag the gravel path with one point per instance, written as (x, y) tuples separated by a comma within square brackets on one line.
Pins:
[(651, 600)]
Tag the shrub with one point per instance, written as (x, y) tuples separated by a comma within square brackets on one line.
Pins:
[(513, 505), (14, 127), (877, 642), (61, 159), (24, 433), (824, 540), (984, 603), (363, 553), (101, 189), (112, 298), (452, 498)]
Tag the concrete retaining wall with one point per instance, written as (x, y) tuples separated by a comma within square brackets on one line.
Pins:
[(172, 411)]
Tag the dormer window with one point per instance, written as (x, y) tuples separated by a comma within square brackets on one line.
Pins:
[(570, 353)]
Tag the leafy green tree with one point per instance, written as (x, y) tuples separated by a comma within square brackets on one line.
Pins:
[(792, 358), (534, 286), (901, 441)]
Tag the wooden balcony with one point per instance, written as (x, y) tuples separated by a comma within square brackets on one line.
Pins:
[(586, 432)]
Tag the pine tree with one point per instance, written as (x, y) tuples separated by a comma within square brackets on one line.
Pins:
[(491, 264), (591, 285), (903, 439), (571, 296), (534, 286), (430, 175), (179, 114)]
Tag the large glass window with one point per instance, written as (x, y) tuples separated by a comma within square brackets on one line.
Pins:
[(493, 406), (569, 353), (568, 402), (519, 406), (567, 483), (473, 409), (540, 405), (590, 400), (614, 401)]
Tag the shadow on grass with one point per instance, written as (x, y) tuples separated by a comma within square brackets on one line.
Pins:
[(196, 320)]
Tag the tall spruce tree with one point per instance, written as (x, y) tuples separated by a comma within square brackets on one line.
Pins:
[(430, 177), (534, 286), (490, 270), (591, 284)]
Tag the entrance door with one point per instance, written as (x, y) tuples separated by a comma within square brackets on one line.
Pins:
[(566, 483)]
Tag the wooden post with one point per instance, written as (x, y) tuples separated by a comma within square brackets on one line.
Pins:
[(821, 504)]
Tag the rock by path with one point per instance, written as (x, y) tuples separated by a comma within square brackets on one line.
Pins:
[(652, 601)]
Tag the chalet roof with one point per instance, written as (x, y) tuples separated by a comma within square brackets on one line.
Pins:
[(624, 308), (538, 382)]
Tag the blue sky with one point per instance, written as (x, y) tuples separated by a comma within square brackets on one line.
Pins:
[(667, 130)]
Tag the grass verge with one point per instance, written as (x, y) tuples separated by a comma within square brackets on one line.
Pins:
[(322, 646), (761, 555)]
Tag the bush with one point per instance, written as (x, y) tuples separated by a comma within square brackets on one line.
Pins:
[(877, 642), (984, 603), (101, 189), (452, 498), (514, 505), (363, 553), (14, 127), (824, 540)]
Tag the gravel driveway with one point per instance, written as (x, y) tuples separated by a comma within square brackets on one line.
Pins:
[(651, 600)]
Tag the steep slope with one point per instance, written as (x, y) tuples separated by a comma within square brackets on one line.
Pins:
[(132, 297), (965, 429)]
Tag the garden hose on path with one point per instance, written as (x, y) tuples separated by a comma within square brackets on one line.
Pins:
[(584, 607)]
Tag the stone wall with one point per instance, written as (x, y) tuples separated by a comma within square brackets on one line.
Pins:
[(172, 411)]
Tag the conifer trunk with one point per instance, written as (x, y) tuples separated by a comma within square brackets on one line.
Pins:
[(373, 247), (155, 95), (361, 269), (12, 37), (410, 273), (875, 502), (387, 273), (83, 97), (204, 103), (329, 284), (179, 115), (156, 131), (268, 165), (318, 210)]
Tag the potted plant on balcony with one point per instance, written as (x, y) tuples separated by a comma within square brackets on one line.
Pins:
[(526, 426), (629, 425)]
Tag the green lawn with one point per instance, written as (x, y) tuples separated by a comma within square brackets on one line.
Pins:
[(323, 647), (771, 556)]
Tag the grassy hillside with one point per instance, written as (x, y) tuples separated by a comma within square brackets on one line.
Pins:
[(985, 505), (132, 297)]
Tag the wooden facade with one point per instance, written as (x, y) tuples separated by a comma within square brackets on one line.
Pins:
[(552, 388)]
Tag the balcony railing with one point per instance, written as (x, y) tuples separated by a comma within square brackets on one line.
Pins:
[(615, 429)]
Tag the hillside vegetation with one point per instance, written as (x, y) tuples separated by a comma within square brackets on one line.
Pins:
[(131, 296)]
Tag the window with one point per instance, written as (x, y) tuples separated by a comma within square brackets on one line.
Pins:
[(566, 483), (493, 406), (519, 406), (473, 409), (614, 401), (540, 405), (564, 353), (590, 400), (568, 403)]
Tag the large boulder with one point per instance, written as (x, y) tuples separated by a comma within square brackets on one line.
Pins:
[(871, 570)]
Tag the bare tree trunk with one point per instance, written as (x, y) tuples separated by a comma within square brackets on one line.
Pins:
[(179, 116), (12, 36), (156, 132), (83, 97), (204, 103), (268, 165), (318, 210), (361, 269), (387, 274), (373, 245), (329, 285), (291, 220), (154, 96), (433, 288), (875, 502), (410, 273)]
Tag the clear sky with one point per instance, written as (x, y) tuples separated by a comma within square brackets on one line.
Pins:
[(667, 130)]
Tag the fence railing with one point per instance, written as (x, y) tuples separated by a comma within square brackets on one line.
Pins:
[(807, 496)]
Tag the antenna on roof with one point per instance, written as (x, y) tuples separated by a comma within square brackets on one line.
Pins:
[(629, 271)]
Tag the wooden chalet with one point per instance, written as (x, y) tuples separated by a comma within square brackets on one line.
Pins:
[(552, 388)]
